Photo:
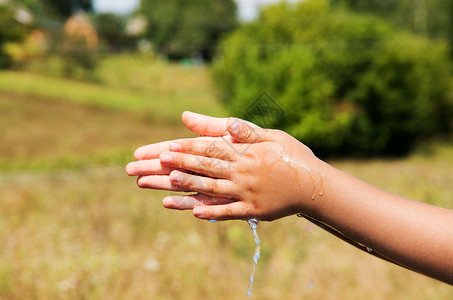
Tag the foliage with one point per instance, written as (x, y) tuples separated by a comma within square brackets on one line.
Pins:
[(47, 12), (432, 18), (65, 31), (10, 31), (182, 28), (111, 30), (348, 84), (66, 8)]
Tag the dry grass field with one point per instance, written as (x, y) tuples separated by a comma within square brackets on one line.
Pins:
[(74, 226)]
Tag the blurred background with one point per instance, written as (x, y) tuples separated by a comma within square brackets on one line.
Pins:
[(83, 83)]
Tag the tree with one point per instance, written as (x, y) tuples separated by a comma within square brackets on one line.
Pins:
[(65, 8), (432, 18), (60, 9), (111, 29), (347, 83), (182, 28)]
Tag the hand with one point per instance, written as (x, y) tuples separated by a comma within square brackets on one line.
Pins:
[(151, 174), (262, 174), (148, 156)]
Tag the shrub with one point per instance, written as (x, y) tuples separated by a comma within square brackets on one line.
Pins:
[(348, 84)]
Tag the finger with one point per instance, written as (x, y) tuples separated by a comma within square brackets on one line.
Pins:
[(183, 202), (204, 185), (207, 148), (154, 150), (231, 211), (157, 182), (147, 167), (204, 125), (210, 167), (243, 132)]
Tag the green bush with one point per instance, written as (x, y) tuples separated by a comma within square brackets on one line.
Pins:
[(348, 84)]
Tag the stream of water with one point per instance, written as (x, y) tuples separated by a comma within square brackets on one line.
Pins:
[(256, 254)]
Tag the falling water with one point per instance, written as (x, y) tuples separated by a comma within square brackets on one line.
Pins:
[(257, 253)]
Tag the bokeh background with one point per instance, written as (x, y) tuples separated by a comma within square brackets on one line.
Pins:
[(366, 84)]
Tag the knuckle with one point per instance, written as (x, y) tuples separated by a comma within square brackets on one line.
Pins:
[(190, 182), (227, 211), (213, 187), (206, 164), (208, 214), (195, 183), (178, 161), (247, 133), (186, 147), (211, 150)]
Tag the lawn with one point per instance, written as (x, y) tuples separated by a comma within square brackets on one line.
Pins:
[(49, 123), (74, 226)]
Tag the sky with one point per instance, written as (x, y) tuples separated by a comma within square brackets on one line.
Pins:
[(248, 9)]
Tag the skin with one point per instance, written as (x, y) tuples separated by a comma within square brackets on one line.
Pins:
[(250, 172)]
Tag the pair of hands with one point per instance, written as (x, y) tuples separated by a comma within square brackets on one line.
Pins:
[(238, 170)]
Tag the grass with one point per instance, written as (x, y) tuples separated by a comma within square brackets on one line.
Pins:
[(37, 133), (50, 123), (157, 90), (72, 235), (74, 226)]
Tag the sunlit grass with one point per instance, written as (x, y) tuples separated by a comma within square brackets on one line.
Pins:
[(49, 122), (38, 134), (158, 90)]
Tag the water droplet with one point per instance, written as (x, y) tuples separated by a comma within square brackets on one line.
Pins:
[(313, 196), (256, 255), (321, 183), (213, 221)]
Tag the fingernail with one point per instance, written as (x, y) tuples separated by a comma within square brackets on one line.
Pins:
[(235, 126), (175, 147), (165, 158), (198, 211)]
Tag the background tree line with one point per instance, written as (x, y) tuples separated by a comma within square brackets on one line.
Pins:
[(349, 83), (353, 77)]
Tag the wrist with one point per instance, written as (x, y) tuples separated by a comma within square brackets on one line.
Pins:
[(312, 187)]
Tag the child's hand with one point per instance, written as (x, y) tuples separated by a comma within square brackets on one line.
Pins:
[(263, 174), (148, 156), (151, 174)]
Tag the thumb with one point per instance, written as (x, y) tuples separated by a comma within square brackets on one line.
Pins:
[(244, 132), (204, 125)]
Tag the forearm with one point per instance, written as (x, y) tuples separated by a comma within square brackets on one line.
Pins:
[(413, 234)]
